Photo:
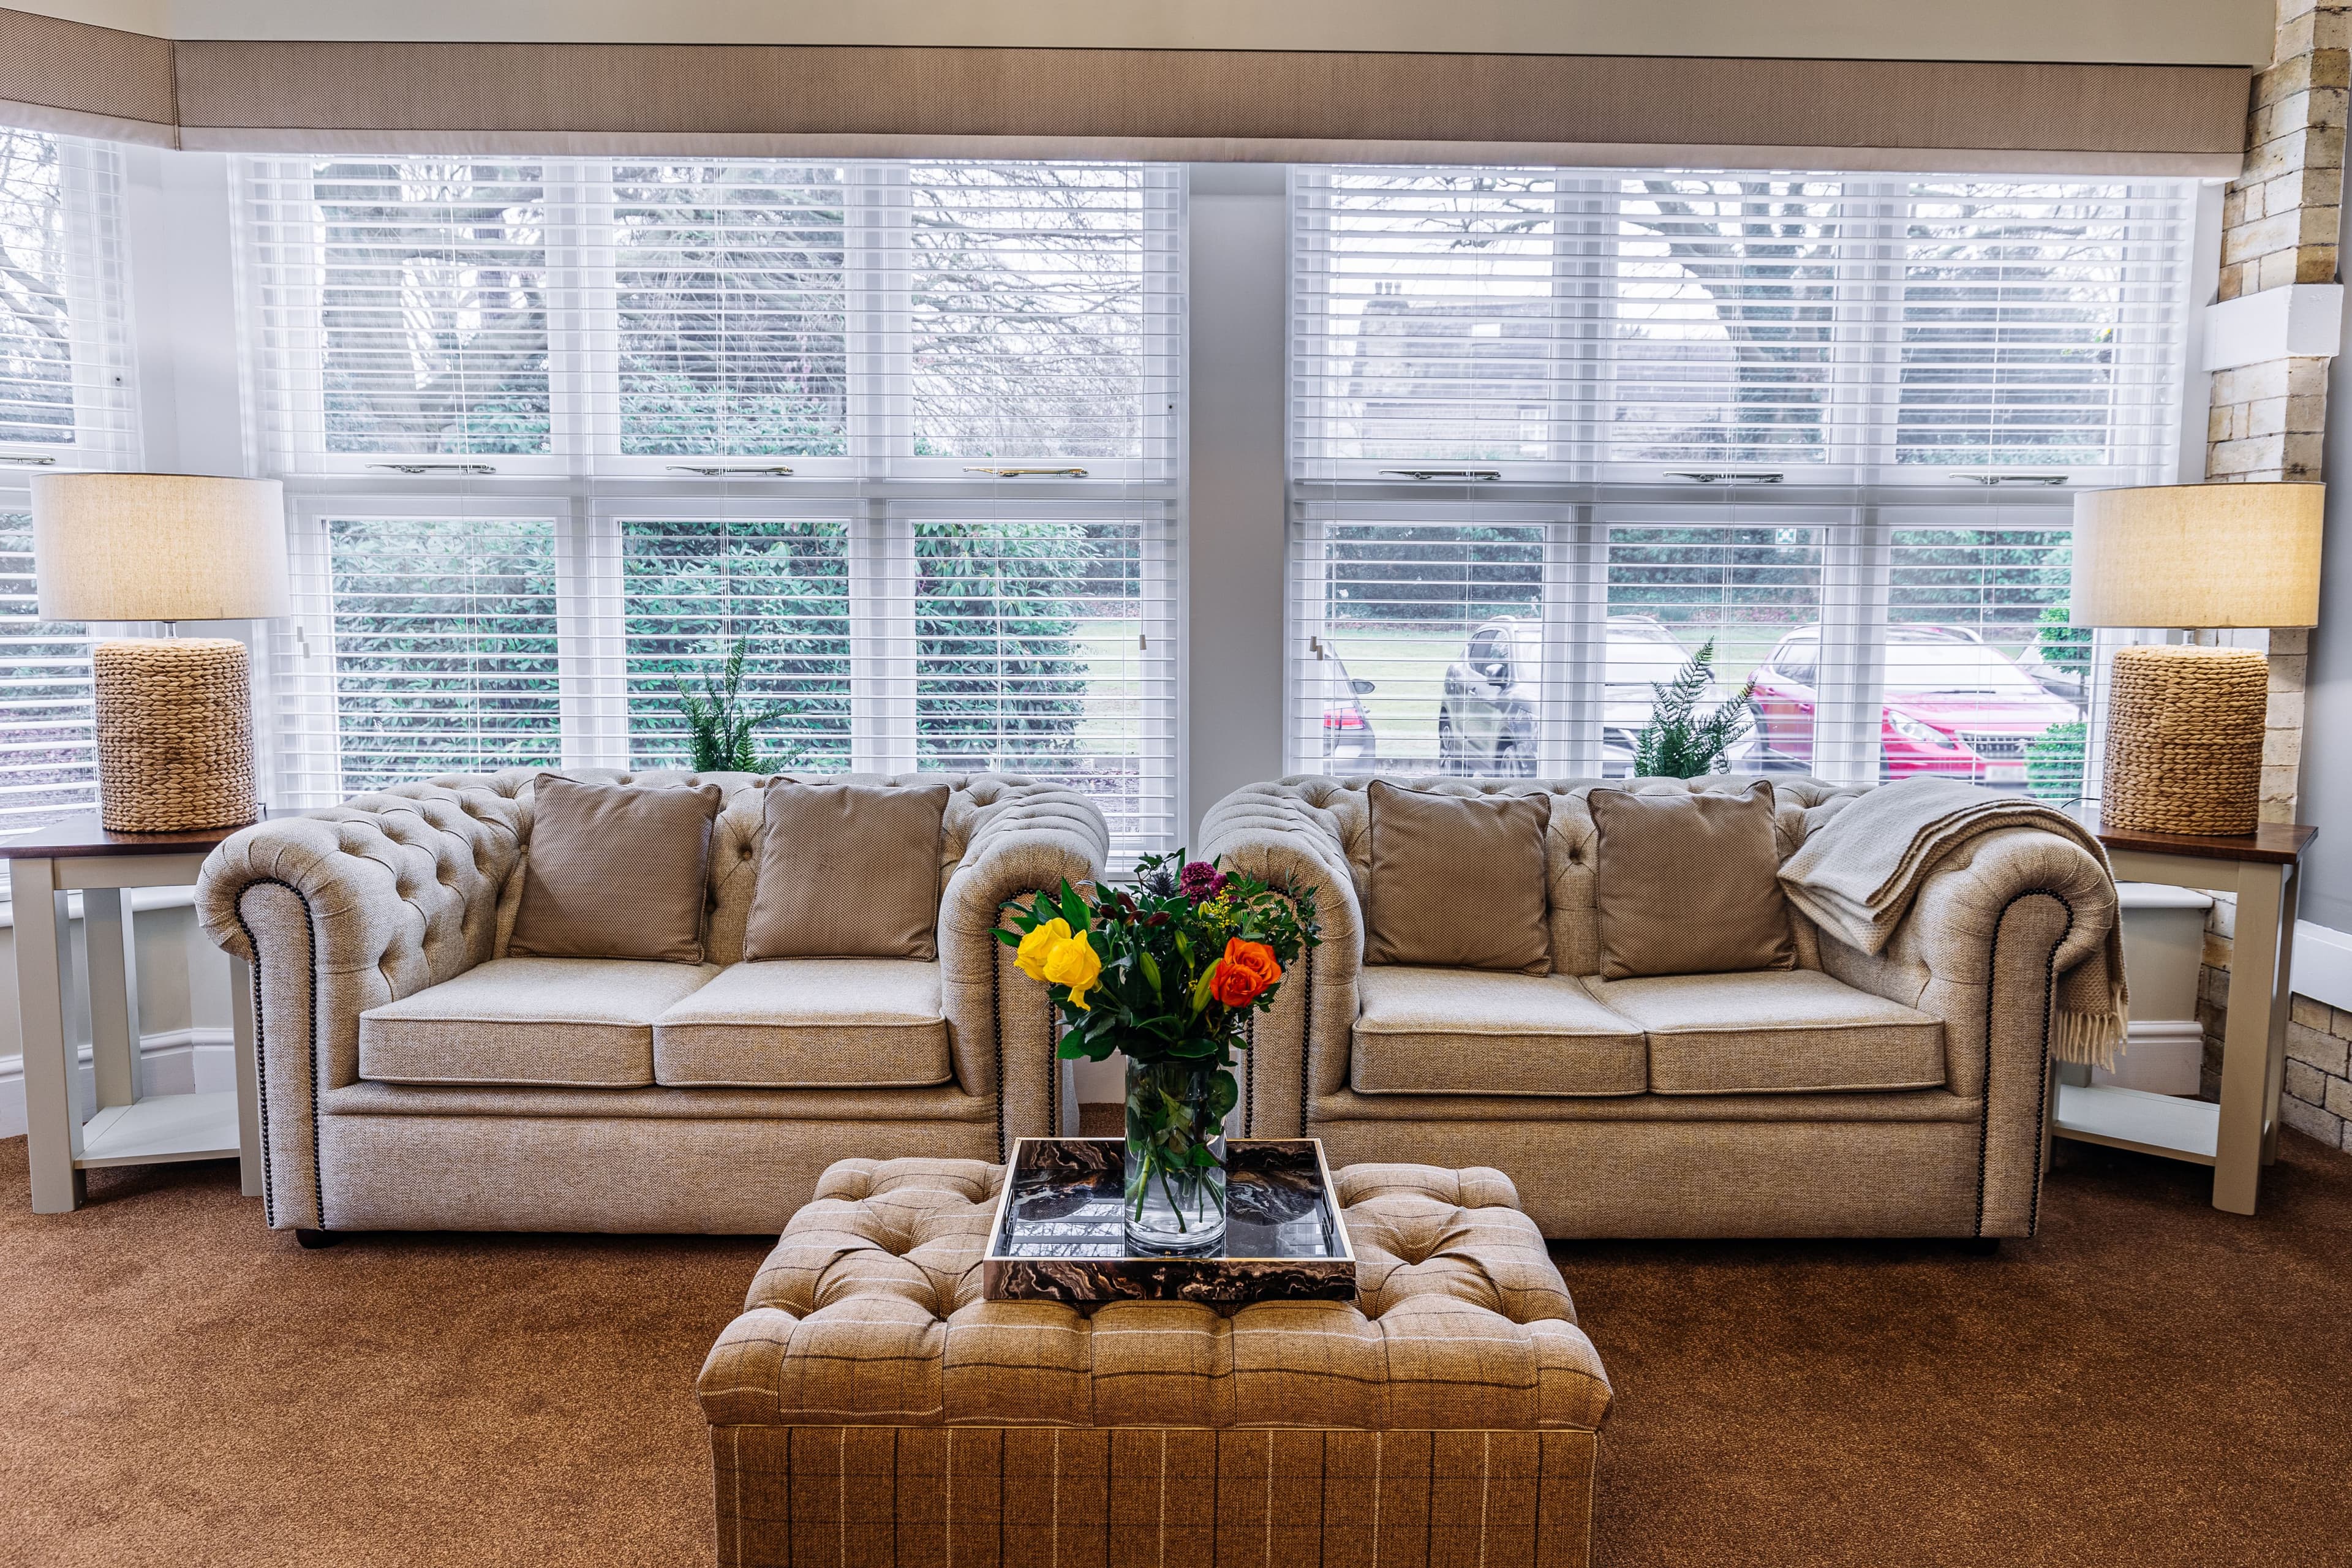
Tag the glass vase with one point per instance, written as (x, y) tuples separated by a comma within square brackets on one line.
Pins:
[(1175, 1158)]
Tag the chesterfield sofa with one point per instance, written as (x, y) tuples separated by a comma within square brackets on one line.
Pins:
[(1895, 1094), (401, 905)]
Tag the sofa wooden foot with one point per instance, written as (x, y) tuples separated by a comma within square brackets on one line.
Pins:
[(313, 1240), (1981, 1247)]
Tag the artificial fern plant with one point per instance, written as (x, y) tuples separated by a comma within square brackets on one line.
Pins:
[(1678, 745), (719, 723)]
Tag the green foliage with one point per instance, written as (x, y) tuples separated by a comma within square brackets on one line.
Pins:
[(2054, 763), (2066, 647), (1678, 745), (719, 723)]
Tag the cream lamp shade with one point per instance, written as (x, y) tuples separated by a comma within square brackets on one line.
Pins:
[(159, 547), (2198, 555)]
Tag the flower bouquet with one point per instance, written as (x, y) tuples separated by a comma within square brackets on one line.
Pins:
[(1168, 975)]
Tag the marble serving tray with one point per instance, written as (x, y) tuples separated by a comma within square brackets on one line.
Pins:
[(1058, 1235)]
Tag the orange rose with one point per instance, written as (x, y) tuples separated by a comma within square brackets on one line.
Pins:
[(1246, 969)]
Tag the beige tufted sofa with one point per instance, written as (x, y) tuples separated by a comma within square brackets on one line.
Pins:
[(1895, 1094), (415, 1077), (871, 1406)]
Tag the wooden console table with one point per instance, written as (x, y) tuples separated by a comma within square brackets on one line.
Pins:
[(2238, 1136), (80, 855)]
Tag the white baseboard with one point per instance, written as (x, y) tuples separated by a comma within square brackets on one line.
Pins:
[(177, 1061)]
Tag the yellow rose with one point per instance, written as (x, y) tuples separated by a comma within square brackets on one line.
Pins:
[(1072, 964), (1039, 946)]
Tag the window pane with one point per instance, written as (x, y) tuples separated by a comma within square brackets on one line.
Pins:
[(1027, 658), (37, 396), (2034, 331), (1680, 586), (1985, 679), (692, 589), (732, 325), (433, 306), (1028, 310), (1435, 318), (49, 761), (1726, 290), (445, 647), (1404, 608)]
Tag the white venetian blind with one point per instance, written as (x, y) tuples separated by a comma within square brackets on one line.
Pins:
[(904, 432), (1553, 432), (66, 402)]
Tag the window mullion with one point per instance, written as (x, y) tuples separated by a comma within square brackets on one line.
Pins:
[(1855, 570), (883, 579), (1575, 644)]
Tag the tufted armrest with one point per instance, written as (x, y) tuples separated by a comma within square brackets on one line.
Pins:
[(870, 1312), (1978, 949), (1028, 838), (341, 911), (1270, 832)]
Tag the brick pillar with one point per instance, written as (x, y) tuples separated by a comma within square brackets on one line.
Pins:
[(2281, 219)]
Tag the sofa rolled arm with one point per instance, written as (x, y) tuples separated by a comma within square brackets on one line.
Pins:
[(1980, 948), (1029, 839), (339, 911), (1299, 1049)]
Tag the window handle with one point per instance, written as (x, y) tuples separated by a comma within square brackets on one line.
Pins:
[(721, 470), (436, 467), (1031, 473), (1725, 476), (1474, 475)]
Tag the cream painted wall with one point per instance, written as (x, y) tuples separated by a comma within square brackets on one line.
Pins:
[(2167, 32)]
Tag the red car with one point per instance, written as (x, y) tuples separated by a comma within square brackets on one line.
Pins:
[(1953, 706)]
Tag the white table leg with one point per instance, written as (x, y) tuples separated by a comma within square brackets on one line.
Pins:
[(2246, 1041), (44, 956), (113, 995), (247, 1033), (2274, 1076)]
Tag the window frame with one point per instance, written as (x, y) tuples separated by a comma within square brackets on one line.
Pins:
[(1856, 503)]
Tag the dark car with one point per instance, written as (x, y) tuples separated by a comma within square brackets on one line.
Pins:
[(1487, 714)]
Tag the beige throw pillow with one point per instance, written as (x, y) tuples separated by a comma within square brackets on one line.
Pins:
[(1688, 884), (616, 871), (1458, 882), (849, 871)]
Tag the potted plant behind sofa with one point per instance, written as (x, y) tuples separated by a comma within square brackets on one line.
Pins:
[(1677, 743), (719, 723), (1168, 975)]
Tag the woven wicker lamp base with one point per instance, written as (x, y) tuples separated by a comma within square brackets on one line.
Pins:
[(174, 734), (2185, 740)]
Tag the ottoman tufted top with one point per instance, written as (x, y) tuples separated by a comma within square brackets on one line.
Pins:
[(869, 1311)]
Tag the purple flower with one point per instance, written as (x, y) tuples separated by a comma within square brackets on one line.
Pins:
[(1199, 882)]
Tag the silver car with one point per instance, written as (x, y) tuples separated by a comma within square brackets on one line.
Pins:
[(1487, 713)]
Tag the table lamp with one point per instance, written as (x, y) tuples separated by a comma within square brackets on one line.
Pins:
[(174, 714), (2184, 750)]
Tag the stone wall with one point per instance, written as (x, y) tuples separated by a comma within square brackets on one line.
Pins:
[(2280, 223)]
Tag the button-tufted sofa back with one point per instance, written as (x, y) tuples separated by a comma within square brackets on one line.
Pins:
[(740, 835), (1803, 804)]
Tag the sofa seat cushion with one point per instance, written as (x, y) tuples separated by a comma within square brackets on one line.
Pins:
[(571, 1023), (809, 1022), (1468, 1031), (1794, 1031)]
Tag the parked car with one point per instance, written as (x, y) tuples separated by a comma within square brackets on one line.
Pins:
[(1953, 705), (1486, 712), (1347, 737)]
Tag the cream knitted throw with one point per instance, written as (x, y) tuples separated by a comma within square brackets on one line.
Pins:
[(1858, 874)]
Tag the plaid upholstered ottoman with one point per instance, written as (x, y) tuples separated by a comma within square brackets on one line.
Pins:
[(870, 1407)]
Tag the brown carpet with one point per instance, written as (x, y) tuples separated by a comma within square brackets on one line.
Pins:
[(2149, 1383)]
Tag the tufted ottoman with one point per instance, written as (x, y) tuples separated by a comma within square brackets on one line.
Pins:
[(871, 1407)]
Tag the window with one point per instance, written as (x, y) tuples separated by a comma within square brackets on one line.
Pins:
[(65, 401), (562, 433), (1823, 425)]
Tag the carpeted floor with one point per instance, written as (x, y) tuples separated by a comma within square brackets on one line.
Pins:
[(2148, 1382)]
